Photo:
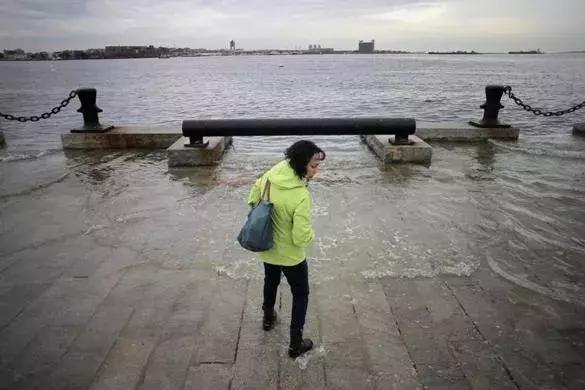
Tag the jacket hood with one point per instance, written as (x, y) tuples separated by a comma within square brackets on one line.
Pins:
[(282, 175)]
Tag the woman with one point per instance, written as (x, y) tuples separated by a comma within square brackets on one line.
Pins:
[(284, 186)]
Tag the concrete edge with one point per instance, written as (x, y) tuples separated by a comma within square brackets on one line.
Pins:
[(131, 137), (456, 132), (418, 152), (178, 155)]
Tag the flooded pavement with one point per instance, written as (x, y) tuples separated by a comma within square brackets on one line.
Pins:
[(471, 206), (118, 272)]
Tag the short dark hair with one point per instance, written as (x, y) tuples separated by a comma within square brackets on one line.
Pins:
[(300, 153)]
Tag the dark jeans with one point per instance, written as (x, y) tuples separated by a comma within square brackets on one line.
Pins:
[(298, 279)]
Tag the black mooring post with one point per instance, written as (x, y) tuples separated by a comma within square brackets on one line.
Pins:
[(491, 107), (90, 111), (196, 142), (400, 138)]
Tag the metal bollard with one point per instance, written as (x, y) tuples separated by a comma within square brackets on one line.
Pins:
[(90, 110), (196, 142), (491, 108)]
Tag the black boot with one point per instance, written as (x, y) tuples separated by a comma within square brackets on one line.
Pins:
[(298, 345), (269, 318)]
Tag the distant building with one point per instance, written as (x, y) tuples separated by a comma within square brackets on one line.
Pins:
[(134, 51), (17, 54), (366, 47), (232, 45), (317, 49)]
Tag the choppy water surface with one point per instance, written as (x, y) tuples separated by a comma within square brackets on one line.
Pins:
[(515, 207)]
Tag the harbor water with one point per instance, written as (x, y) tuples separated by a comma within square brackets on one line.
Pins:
[(515, 208)]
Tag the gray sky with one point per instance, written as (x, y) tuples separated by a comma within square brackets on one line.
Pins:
[(484, 25)]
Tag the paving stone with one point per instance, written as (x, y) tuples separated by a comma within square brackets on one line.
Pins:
[(76, 371), (65, 303), (91, 261), (345, 350), (349, 379), (79, 365), (191, 307), (556, 351), (125, 363), (482, 367), (306, 371), (434, 375), (47, 262), (526, 368), (218, 337), (209, 377), (132, 286), (372, 308), (154, 306), (257, 362), (84, 298), (168, 364), (479, 307), (446, 313), (571, 375), (16, 297), (397, 381), (424, 348), (336, 313), (102, 330), (415, 323), (388, 357), (509, 331), (403, 295), (46, 349), (17, 335)]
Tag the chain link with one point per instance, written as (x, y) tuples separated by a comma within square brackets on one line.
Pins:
[(536, 111), (45, 115)]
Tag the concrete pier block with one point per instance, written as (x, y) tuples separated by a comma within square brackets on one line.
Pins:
[(458, 132), (2, 140), (579, 129), (180, 155), (131, 137), (417, 152)]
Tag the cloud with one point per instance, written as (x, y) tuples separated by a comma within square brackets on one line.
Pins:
[(410, 14), (410, 24)]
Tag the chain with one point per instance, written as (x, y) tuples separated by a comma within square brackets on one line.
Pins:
[(45, 115), (536, 111)]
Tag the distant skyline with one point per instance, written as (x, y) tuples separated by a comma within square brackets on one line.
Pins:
[(414, 25)]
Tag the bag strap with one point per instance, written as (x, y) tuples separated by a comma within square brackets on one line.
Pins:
[(266, 190)]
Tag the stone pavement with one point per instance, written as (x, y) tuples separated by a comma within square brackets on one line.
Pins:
[(114, 286), (122, 326)]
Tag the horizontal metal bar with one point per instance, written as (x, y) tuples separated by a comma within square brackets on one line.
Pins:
[(299, 126)]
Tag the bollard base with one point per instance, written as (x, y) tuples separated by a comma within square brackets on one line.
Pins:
[(123, 137), (181, 155), (461, 132), (489, 124), (93, 129), (416, 152), (2, 140), (579, 129)]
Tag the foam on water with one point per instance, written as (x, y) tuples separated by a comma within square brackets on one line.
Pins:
[(312, 356)]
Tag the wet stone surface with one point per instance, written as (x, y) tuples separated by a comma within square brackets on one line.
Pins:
[(118, 273)]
